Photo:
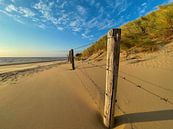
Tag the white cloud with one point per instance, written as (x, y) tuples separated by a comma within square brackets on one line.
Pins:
[(11, 8), (73, 23), (18, 19), (71, 16), (142, 8), (63, 4), (81, 10), (34, 19), (75, 26), (144, 4), (142, 11), (92, 23), (76, 29), (84, 35), (43, 14), (15, 17), (46, 12), (21, 10), (26, 12), (42, 26), (60, 28)]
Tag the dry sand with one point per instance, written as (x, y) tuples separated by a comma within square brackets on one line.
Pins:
[(18, 67), (58, 98), (138, 109), (50, 99)]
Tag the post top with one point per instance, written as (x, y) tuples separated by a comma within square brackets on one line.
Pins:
[(114, 32)]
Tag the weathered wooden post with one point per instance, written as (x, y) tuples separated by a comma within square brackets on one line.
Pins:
[(72, 59), (112, 66), (69, 56)]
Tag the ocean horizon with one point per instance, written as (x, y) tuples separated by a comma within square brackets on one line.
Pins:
[(23, 60)]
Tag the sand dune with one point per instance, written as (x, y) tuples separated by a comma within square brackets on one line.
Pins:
[(136, 107), (55, 97)]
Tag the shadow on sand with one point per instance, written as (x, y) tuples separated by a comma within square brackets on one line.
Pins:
[(144, 117)]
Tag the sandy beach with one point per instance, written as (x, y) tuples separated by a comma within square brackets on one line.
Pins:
[(52, 96), (86, 64), (49, 99)]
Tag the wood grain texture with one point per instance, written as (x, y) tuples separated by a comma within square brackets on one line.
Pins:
[(112, 66)]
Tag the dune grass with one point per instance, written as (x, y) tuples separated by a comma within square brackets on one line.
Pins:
[(145, 34)]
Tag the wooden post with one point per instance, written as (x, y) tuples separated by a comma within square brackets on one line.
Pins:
[(72, 59), (112, 66), (69, 56)]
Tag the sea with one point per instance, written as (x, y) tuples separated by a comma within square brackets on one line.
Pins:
[(26, 60)]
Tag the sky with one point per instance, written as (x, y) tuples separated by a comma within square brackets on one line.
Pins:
[(52, 27)]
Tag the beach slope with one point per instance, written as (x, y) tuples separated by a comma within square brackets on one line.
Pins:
[(51, 99)]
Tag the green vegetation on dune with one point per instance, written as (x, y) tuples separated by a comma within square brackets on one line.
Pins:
[(99, 45), (147, 33)]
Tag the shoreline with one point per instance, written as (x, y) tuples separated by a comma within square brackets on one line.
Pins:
[(34, 62), (14, 73)]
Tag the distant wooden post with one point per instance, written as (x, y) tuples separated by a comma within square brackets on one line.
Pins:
[(112, 67), (72, 59), (69, 56)]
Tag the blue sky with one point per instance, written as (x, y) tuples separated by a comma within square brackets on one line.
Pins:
[(49, 27)]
